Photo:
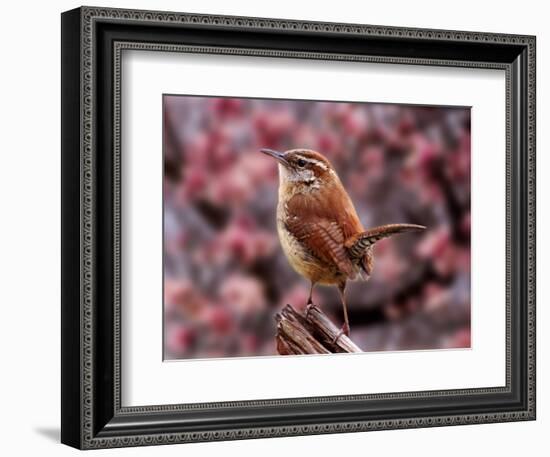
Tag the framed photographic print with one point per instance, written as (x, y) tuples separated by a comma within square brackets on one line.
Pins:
[(273, 227)]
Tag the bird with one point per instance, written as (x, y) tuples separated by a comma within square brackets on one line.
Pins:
[(319, 230)]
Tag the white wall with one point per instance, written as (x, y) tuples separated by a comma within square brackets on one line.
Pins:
[(30, 213)]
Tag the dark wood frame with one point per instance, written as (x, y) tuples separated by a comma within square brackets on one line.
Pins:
[(92, 42)]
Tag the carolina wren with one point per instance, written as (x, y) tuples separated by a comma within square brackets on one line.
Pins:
[(319, 230)]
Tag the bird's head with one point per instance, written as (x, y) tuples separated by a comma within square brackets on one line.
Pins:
[(302, 167)]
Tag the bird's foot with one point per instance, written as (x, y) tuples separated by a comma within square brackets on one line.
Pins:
[(309, 307), (343, 331)]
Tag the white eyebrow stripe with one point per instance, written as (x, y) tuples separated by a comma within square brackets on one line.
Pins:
[(313, 161)]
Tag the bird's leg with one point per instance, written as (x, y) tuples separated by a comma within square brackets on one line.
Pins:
[(345, 328), (310, 300)]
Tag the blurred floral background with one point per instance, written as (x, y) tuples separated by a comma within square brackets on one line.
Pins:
[(225, 275)]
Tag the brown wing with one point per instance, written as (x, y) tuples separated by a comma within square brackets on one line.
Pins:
[(323, 228), (324, 240)]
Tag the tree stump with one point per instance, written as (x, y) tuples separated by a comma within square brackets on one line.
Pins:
[(313, 333)]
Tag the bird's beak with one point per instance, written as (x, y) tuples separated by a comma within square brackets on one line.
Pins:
[(280, 156)]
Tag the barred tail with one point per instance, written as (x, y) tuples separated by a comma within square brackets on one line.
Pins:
[(359, 243)]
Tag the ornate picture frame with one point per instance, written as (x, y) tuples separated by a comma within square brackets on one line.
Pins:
[(93, 415)]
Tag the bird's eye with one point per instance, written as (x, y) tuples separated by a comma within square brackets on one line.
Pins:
[(301, 163)]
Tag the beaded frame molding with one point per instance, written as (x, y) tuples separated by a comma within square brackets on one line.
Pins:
[(92, 43)]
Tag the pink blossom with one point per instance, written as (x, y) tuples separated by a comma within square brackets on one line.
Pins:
[(244, 294), (461, 339), (183, 296), (434, 243), (226, 106), (219, 319), (179, 339), (297, 296)]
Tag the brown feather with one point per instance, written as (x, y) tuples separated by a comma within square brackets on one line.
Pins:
[(357, 244), (321, 229), (323, 240), (367, 262)]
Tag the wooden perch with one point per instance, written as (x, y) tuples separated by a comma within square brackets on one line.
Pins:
[(315, 334)]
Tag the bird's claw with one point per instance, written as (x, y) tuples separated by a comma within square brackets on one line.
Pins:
[(309, 306), (343, 331)]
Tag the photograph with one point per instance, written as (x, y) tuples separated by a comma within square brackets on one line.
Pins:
[(314, 227)]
